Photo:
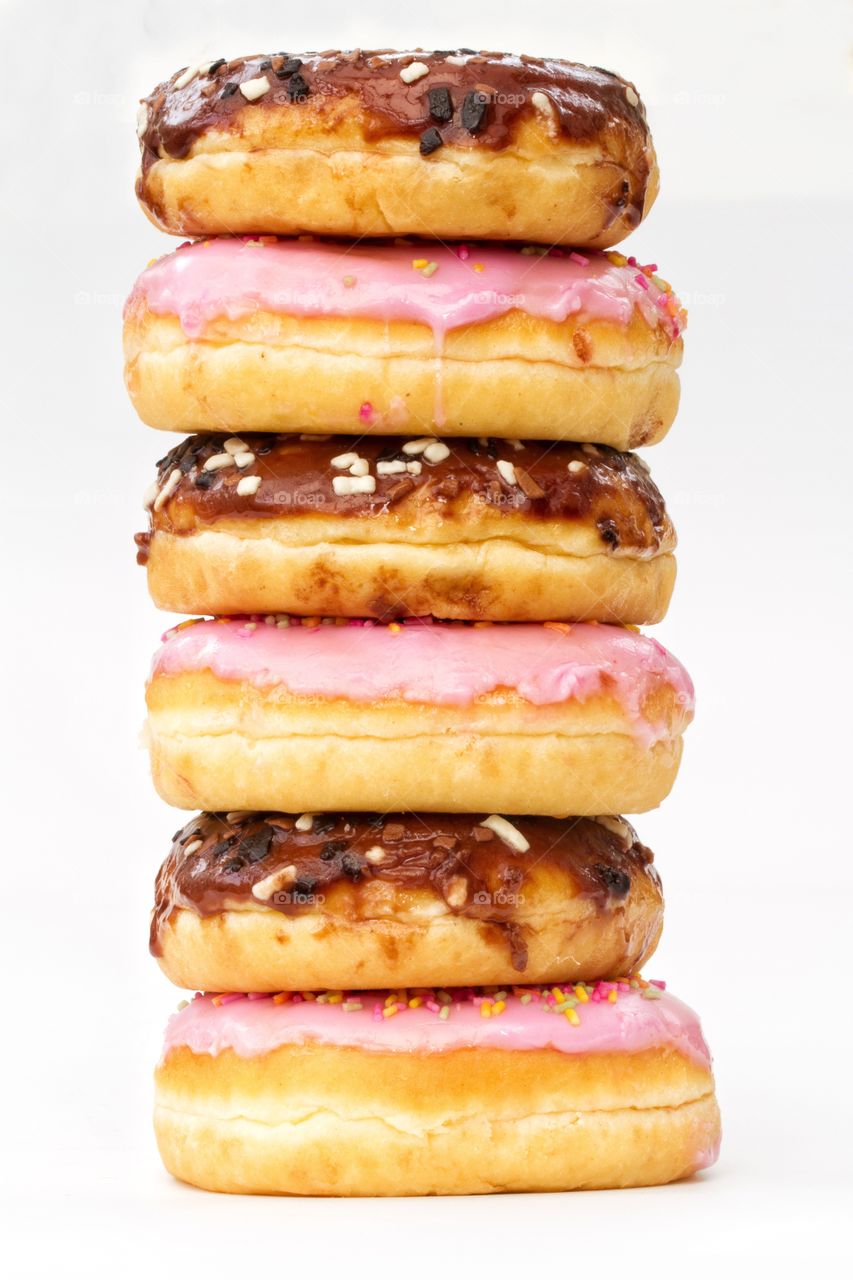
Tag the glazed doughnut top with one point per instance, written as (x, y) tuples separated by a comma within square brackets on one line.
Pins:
[(627, 1015), (291, 864), (444, 664), (472, 100), (613, 492)]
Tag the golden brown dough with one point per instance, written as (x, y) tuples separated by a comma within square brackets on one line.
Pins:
[(328, 1120), (224, 745), (513, 376)]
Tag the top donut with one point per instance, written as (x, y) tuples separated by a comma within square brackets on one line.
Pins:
[(443, 144)]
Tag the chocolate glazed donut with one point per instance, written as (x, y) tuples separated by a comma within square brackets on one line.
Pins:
[(538, 149), (466, 529), (275, 901)]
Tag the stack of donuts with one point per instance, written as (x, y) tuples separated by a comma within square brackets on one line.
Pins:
[(411, 698)]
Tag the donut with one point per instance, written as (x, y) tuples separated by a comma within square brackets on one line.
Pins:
[(436, 1092), (394, 527), (443, 144), (383, 339), (271, 901), (552, 719)]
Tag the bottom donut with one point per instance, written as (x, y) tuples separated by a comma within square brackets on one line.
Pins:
[(427, 1092)]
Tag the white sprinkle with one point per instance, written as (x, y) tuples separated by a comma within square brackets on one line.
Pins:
[(393, 468), (141, 119), (183, 1004), (619, 828), (248, 486), (457, 59), (237, 815), (306, 822), (506, 471), (192, 846), (436, 452), (150, 495), (633, 100), (344, 460), (244, 459), (591, 449), (265, 889), (507, 832), (235, 445), (576, 465), (414, 468), (185, 77), (375, 855), (418, 446), (414, 71), (360, 467), (218, 461), (254, 89), (457, 891), (168, 489), (346, 485), (203, 68), (518, 445), (544, 108)]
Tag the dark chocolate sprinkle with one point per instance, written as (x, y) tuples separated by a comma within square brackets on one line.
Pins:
[(204, 479), (297, 88), (474, 111), (609, 532), (440, 105), (229, 89), (236, 864), (332, 847), (214, 66), (618, 882), (290, 68), (351, 866), (219, 850), (266, 65), (430, 141), (255, 847)]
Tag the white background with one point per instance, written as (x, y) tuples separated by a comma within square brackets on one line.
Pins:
[(747, 104)]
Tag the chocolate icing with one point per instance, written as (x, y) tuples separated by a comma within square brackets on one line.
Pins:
[(613, 491), (489, 95), (464, 864)]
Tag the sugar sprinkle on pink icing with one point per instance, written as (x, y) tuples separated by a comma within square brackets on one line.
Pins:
[(626, 1015)]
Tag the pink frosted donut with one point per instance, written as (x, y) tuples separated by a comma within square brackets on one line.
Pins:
[(481, 340), (551, 719), (420, 1092)]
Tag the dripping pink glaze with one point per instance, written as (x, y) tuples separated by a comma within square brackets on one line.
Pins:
[(201, 282), (435, 663), (252, 1026)]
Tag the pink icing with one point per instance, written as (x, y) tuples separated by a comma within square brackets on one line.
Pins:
[(234, 277), (256, 1025), (435, 663)]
